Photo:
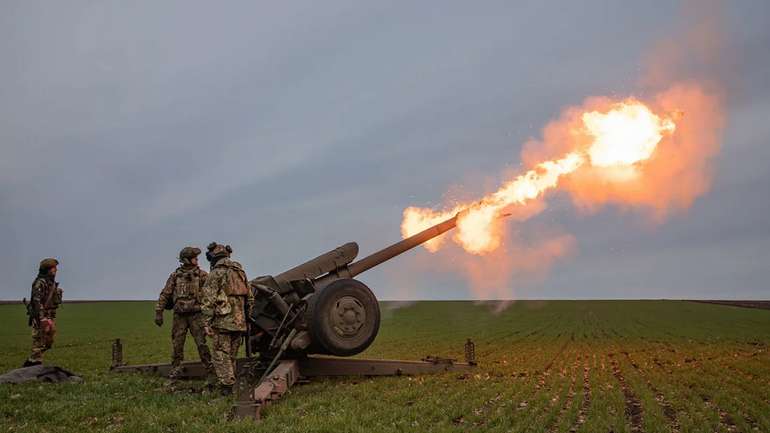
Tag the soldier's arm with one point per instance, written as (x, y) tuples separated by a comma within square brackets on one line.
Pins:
[(166, 293), (250, 300), (210, 289), (203, 276), (38, 289)]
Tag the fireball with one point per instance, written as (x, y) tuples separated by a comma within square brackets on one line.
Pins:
[(625, 134)]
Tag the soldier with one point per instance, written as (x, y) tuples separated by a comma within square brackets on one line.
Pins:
[(226, 301), (44, 300), (183, 293)]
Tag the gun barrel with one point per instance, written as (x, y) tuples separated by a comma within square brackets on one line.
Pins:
[(401, 247)]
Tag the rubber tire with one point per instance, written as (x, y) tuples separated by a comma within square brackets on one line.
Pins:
[(319, 320)]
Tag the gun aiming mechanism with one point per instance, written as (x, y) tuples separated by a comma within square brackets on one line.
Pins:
[(316, 308)]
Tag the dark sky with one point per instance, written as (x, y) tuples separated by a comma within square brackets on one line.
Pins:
[(131, 129)]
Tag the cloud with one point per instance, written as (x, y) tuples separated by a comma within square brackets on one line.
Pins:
[(130, 130)]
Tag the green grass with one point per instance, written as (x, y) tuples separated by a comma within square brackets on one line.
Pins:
[(544, 366)]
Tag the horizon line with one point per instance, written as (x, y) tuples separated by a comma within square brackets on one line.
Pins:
[(83, 301)]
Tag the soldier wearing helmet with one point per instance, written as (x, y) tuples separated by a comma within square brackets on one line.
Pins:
[(182, 294), (44, 300), (226, 302)]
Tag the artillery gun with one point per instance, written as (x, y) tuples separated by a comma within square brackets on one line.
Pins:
[(319, 307), (316, 308)]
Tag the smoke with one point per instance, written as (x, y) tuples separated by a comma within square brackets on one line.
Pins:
[(678, 172), (525, 256), (682, 81), (686, 73), (490, 275), (695, 52)]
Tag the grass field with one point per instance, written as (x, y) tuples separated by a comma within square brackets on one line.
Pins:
[(587, 366)]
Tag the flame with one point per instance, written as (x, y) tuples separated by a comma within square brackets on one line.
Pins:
[(644, 157), (619, 138), (418, 219), (627, 134)]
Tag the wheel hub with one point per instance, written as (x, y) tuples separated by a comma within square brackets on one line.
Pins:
[(348, 316)]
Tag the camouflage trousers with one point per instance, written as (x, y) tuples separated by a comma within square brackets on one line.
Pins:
[(192, 322), (40, 343), (226, 345)]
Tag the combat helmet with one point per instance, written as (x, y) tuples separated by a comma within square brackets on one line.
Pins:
[(188, 253), (217, 251), (47, 264)]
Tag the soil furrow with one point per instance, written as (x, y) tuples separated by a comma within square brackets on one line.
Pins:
[(666, 407), (569, 398), (557, 355), (586, 404), (724, 417), (633, 404)]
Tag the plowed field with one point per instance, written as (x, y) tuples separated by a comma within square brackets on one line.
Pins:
[(555, 366)]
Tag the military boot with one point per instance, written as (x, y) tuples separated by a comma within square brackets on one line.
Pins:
[(225, 390), (211, 381), (175, 373)]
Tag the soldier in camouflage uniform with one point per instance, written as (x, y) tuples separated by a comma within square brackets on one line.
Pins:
[(44, 300), (183, 293), (226, 301)]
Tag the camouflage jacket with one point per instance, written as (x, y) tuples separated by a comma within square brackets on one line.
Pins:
[(45, 297), (183, 290), (221, 308)]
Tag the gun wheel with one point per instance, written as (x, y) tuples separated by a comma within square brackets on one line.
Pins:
[(344, 317)]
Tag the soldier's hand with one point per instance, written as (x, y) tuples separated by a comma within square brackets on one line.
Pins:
[(159, 318), (208, 331)]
